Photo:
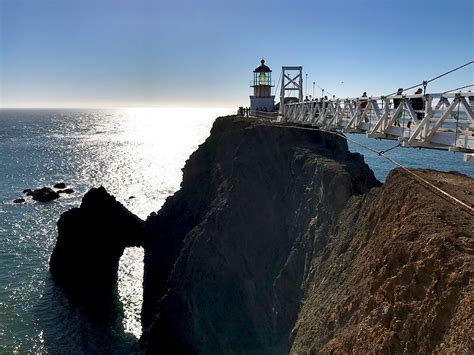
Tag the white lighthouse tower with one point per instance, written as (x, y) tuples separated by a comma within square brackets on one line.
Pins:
[(262, 99)]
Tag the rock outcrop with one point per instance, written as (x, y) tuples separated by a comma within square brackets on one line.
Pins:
[(282, 241), (227, 258), (45, 194), (396, 276), (91, 239), (66, 191)]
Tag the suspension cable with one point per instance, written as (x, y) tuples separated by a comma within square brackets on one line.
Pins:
[(450, 71), (468, 209), (278, 83), (425, 82), (323, 89), (382, 152), (462, 87)]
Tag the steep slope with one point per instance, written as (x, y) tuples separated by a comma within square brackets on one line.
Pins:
[(282, 241), (396, 276), (228, 256)]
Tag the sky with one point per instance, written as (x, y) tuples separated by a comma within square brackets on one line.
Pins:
[(135, 53)]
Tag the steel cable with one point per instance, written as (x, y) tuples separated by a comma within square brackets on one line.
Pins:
[(436, 77), (464, 205)]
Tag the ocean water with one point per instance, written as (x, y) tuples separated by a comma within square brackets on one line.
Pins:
[(131, 152), (441, 160)]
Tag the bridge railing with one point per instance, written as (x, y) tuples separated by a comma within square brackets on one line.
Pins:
[(266, 115), (439, 120)]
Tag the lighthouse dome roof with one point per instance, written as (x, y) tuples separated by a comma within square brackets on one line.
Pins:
[(262, 68)]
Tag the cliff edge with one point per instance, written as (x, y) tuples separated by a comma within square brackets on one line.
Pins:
[(228, 257)]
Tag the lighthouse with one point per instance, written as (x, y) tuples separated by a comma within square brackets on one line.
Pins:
[(262, 99)]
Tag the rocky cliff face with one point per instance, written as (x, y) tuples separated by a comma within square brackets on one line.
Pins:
[(229, 256), (396, 276), (282, 241)]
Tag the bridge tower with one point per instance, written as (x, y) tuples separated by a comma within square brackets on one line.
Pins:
[(291, 80), (262, 84)]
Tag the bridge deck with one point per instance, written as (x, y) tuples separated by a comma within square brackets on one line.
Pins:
[(446, 120)]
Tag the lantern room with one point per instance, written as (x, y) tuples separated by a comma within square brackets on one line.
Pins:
[(262, 99)]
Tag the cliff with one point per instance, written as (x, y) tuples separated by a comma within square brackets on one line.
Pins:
[(228, 257), (282, 241), (396, 276)]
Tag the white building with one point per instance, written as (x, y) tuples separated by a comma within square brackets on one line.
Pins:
[(262, 99)]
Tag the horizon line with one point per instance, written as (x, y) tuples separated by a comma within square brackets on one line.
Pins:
[(111, 107)]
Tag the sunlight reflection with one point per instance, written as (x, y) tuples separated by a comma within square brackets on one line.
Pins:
[(146, 156)]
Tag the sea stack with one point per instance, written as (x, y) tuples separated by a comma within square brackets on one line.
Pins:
[(90, 242)]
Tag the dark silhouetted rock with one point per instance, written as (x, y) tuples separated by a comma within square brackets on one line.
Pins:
[(228, 257), (278, 242), (44, 194), (60, 185), (19, 200), (66, 191), (26, 191), (90, 242), (131, 197)]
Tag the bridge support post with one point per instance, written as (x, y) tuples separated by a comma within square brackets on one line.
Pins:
[(291, 80)]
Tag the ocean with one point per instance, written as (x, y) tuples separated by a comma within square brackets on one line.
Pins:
[(135, 152)]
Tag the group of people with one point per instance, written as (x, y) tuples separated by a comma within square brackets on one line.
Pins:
[(320, 102), (417, 103), (243, 111)]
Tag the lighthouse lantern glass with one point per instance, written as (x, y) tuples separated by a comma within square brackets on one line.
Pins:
[(263, 78)]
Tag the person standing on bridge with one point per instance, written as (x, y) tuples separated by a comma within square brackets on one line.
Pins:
[(363, 104), (324, 103), (396, 103), (417, 104), (363, 101), (471, 101)]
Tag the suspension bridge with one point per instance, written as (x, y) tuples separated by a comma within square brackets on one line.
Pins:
[(427, 120)]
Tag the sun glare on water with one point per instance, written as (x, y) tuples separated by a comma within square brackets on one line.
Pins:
[(158, 142)]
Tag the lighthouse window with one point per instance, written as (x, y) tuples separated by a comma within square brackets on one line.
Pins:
[(263, 79)]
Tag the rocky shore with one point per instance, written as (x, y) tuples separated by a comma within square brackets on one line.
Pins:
[(282, 241)]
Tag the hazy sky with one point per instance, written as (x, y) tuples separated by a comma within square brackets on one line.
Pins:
[(105, 53)]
